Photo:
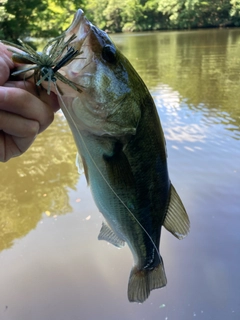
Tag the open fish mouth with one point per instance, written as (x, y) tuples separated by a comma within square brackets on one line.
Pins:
[(80, 70), (80, 27)]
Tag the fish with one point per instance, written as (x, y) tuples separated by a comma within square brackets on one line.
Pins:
[(121, 145)]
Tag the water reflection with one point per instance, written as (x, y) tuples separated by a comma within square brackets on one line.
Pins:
[(37, 182), (202, 66), (187, 122)]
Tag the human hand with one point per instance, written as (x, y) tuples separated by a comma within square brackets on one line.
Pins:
[(23, 113)]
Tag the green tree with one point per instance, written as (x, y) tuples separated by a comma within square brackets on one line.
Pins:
[(235, 12), (113, 15), (37, 18), (18, 17), (212, 13), (196, 13), (46, 18), (132, 15), (94, 12), (154, 18)]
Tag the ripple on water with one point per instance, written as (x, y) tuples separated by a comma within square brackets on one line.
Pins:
[(203, 142), (185, 122)]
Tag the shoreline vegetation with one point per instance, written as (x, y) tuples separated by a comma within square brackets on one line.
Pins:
[(48, 18)]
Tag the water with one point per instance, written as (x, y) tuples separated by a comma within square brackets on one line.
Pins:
[(51, 264)]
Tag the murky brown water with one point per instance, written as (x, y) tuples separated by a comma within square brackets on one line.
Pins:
[(52, 267)]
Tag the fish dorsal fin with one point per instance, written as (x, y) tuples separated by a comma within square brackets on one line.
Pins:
[(176, 220), (108, 235)]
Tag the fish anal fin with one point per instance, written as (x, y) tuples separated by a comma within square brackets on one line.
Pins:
[(176, 220), (108, 235), (141, 282)]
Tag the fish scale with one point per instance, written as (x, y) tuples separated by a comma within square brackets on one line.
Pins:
[(120, 140)]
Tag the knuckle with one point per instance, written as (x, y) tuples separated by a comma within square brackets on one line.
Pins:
[(31, 128)]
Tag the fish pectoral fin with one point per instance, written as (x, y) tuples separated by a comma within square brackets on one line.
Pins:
[(82, 166), (108, 235), (176, 220), (141, 282), (79, 164)]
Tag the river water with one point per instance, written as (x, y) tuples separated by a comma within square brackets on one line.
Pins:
[(52, 267)]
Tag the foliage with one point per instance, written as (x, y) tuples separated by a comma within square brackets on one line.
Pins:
[(94, 10), (235, 12), (196, 13), (45, 18), (36, 18), (42, 179)]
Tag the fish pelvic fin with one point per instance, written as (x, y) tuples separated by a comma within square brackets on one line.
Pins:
[(108, 235), (176, 220), (141, 282)]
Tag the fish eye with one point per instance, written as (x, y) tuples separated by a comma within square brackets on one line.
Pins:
[(109, 53)]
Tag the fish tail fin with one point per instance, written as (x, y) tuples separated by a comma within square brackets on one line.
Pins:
[(141, 282)]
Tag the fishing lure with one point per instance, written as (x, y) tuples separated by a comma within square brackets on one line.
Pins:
[(46, 63)]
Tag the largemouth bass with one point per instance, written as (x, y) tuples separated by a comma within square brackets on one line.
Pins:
[(121, 144)]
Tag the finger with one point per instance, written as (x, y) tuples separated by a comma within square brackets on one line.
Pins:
[(15, 125), (51, 99), (6, 63), (25, 104), (16, 135), (4, 70), (8, 148), (11, 147)]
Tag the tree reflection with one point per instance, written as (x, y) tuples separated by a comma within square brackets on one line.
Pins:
[(37, 182), (203, 66)]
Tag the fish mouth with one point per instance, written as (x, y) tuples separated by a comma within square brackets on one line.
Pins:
[(80, 26), (81, 69), (79, 15)]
